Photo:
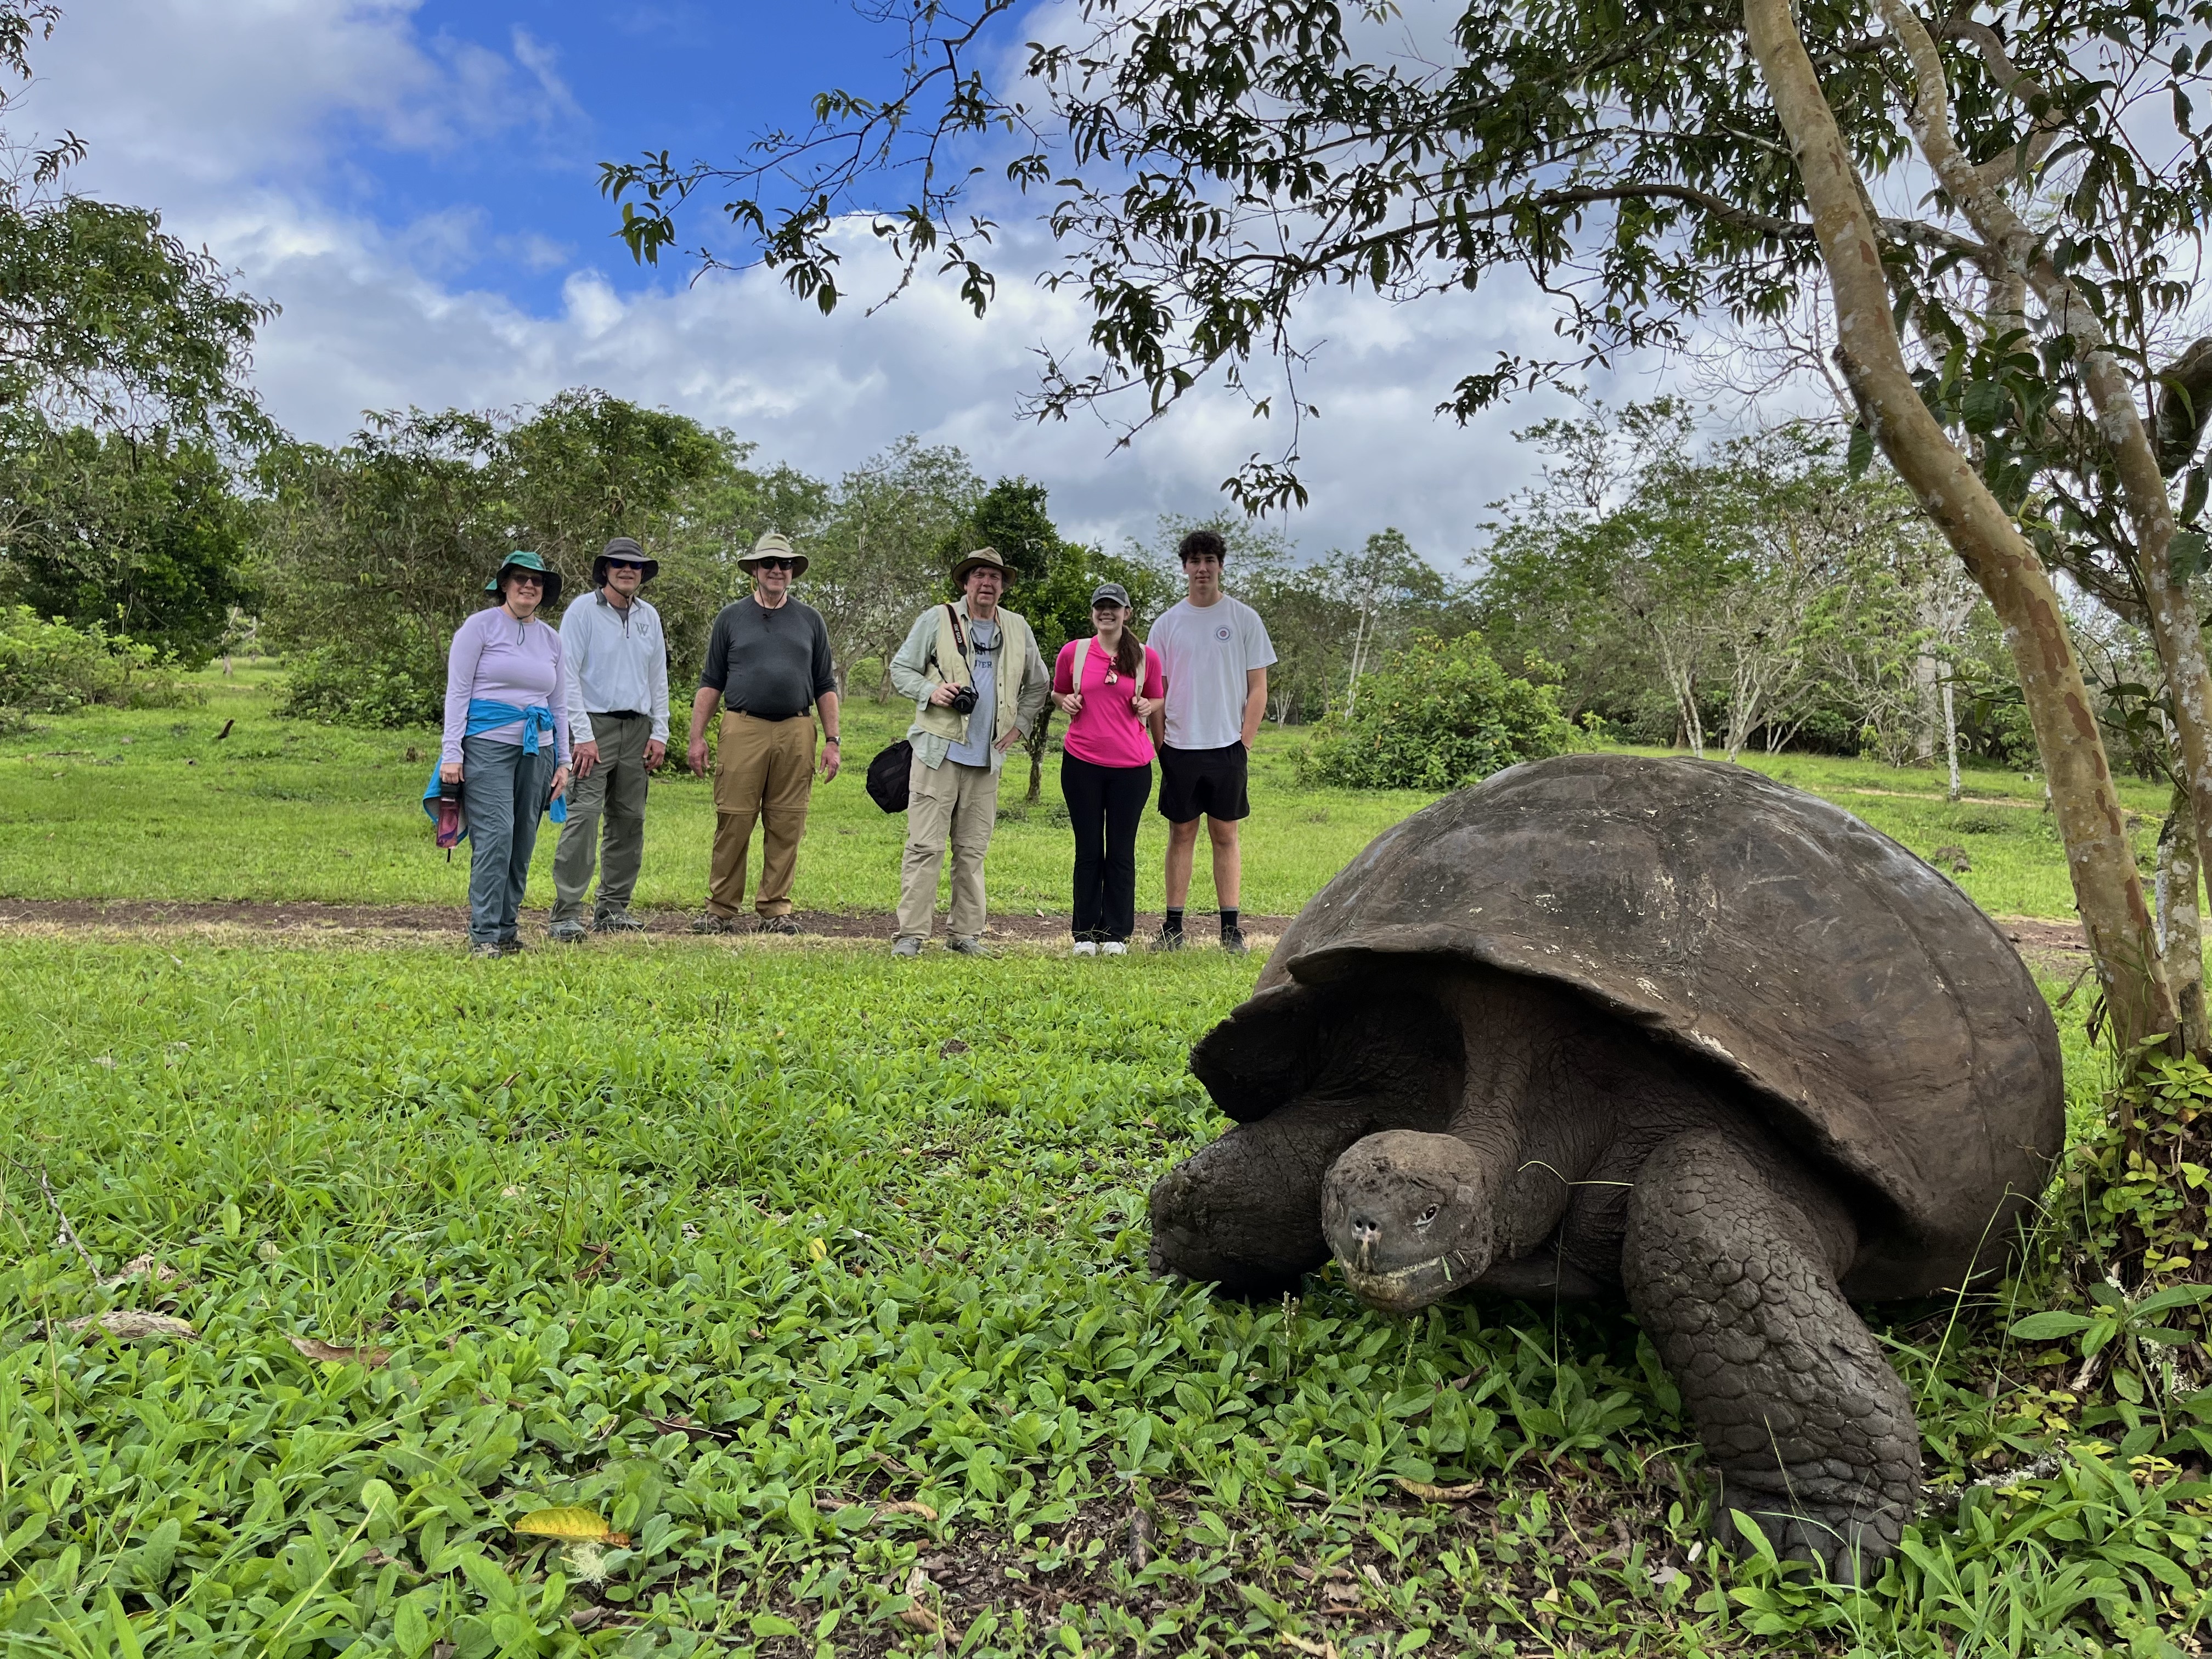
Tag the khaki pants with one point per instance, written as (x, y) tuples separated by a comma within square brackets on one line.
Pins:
[(616, 793), (764, 771), (955, 803)]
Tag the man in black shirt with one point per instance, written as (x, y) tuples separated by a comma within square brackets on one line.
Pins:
[(768, 664)]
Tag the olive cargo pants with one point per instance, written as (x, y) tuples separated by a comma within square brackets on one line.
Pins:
[(763, 771), (615, 793)]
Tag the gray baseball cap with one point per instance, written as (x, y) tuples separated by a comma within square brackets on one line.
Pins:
[(1110, 591)]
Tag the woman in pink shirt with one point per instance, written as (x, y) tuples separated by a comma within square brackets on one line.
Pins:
[(1108, 687)]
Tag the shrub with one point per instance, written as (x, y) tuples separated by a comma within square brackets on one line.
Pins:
[(50, 667), (335, 686), (1440, 714)]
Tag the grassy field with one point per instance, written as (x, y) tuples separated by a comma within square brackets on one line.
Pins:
[(108, 804), (148, 804), (823, 1283), (818, 1282)]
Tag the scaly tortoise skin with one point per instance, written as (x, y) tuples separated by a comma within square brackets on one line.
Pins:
[(1664, 1028)]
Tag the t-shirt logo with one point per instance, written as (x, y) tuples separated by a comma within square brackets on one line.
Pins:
[(1222, 632)]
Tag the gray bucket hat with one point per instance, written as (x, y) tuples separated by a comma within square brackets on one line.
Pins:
[(773, 545), (621, 547)]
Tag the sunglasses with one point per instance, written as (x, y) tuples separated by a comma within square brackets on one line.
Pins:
[(625, 564), (525, 578), (775, 564)]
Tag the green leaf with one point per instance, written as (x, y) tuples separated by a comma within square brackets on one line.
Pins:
[(1860, 454), (2048, 1327), (765, 1624), (2185, 554), (2192, 495), (410, 1628)]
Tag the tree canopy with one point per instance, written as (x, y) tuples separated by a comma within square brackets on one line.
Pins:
[(104, 318)]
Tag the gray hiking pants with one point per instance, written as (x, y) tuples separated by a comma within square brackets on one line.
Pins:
[(614, 794)]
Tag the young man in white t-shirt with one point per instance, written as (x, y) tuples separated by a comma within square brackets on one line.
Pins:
[(1214, 653)]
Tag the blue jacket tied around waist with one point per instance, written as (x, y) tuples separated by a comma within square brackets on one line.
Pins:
[(485, 715)]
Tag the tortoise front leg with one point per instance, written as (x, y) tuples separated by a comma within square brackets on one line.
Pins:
[(1245, 1213), (1730, 1263)]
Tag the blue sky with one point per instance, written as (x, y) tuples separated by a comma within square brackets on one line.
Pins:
[(611, 81), (417, 185)]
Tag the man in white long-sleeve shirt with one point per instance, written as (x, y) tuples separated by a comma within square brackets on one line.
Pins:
[(617, 661)]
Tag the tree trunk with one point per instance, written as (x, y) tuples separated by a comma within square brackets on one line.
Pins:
[(2180, 941), (1950, 741), (1037, 741), (2123, 941), (1979, 193)]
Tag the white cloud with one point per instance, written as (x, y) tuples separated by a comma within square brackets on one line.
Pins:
[(237, 121)]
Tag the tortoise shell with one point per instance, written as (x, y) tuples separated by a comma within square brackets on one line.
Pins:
[(1884, 1024)]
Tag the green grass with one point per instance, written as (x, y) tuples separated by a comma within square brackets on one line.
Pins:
[(731, 1248), (114, 805)]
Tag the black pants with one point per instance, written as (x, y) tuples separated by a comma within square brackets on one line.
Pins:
[(1105, 804)]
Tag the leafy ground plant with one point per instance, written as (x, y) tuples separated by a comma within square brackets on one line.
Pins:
[(814, 1283)]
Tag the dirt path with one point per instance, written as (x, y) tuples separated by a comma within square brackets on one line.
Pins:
[(2051, 946), (451, 921)]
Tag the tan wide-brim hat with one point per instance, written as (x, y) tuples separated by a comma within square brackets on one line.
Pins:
[(774, 546), (982, 558)]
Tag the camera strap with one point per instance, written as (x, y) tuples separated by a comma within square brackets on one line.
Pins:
[(960, 640)]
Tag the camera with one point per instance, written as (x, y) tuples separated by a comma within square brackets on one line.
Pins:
[(963, 700)]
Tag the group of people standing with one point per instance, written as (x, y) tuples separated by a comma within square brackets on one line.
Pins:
[(575, 721)]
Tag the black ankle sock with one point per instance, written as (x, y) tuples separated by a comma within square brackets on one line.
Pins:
[(1228, 922), (1173, 922)]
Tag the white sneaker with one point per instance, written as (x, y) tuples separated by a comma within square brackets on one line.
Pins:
[(1087, 947), (1114, 947)]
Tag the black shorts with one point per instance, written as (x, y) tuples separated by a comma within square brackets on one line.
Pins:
[(1207, 782)]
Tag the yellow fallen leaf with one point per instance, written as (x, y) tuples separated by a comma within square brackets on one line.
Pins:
[(1437, 1494), (331, 1354), (562, 1523), (922, 1618), (817, 1248), (907, 1506), (1317, 1649), (130, 1325)]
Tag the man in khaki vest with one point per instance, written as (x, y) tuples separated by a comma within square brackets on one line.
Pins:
[(979, 683)]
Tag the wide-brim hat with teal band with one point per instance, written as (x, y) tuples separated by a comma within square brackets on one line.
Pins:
[(537, 567)]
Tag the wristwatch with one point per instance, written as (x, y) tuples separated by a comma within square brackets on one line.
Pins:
[(832, 739)]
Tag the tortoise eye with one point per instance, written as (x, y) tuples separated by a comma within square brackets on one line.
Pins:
[(1427, 1215)]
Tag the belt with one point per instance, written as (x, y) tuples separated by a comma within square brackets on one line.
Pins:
[(614, 713), (777, 719)]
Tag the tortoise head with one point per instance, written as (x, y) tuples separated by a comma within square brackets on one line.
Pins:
[(1408, 1217)]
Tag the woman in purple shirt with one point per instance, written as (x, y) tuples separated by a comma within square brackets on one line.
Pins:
[(506, 734)]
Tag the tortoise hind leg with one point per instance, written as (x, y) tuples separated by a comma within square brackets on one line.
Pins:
[(1245, 1213), (1729, 1263)]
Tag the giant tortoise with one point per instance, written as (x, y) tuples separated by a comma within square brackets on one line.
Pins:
[(1662, 1027)]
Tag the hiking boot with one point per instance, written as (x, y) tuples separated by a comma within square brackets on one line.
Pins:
[(511, 946), (1087, 947), (1168, 941), (565, 933), (617, 921), (1233, 941), (708, 922), (906, 944), (489, 948), (970, 945), (786, 926)]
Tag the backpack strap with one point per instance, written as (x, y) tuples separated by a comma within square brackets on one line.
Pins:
[(1082, 656)]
